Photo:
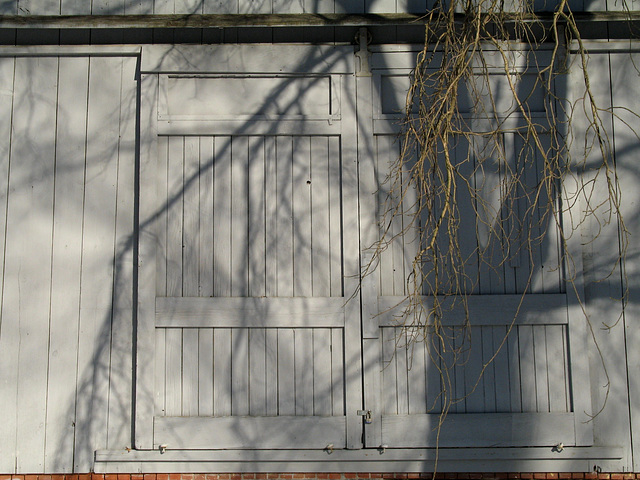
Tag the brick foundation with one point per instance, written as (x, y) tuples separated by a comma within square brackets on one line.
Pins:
[(331, 476)]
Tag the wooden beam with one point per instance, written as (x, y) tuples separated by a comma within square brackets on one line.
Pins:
[(268, 20)]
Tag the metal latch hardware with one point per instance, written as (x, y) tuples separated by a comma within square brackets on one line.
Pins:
[(366, 414)]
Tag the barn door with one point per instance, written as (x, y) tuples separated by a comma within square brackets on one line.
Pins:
[(500, 382), (256, 338)]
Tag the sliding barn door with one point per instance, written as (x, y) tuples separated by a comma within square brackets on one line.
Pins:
[(516, 375), (256, 336)]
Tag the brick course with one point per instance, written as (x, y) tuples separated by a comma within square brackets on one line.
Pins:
[(332, 476)]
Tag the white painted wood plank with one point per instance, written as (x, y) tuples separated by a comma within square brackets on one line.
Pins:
[(66, 255), (27, 259), (175, 218), (235, 58), (557, 378), (302, 230), (514, 370), (417, 375), (191, 217), (402, 371), (542, 382), (501, 365), (527, 368), (74, 7), (286, 372), (257, 372), (271, 226), (337, 371), (489, 362), (389, 372), (9, 336), (538, 309), (38, 7), (271, 371), (335, 228), (163, 6), (149, 202), (284, 151), (383, 143), (250, 125), (320, 256), (161, 223), (222, 372), (474, 381), (205, 372), (468, 219), (434, 384), (190, 372), (160, 372), (239, 371), (460, 344), (239, 217), (256, 432), (476, 430), (222, 218), (206, 181), (257, 218), (351, 265), (97, 262), (220, 6), (322, 371), (188, 6), (249, 312), (120, 386), (173, 371), (303, 370)]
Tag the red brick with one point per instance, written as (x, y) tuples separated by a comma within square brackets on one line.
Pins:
[(540, 476), (591, 476), (285, 476), (135, 476), (514, 476), (427, 475), (48, 477), (478, 476), (527, 476), (224, 476), (552, 476), (604, 476), (120, 476), (413, 475), (564, 475), (628, 476), (160, 476), (577, 475), (248, 476)]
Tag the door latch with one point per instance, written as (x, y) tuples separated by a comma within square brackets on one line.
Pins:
[(366, 414)]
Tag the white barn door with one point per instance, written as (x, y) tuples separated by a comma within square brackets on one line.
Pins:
[(501, 383), (254, 239)]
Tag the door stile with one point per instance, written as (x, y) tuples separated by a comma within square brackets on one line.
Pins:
[(146, 285), (369, 233), (353, 338)]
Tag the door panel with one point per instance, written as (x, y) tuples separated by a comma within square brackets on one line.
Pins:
[(255, 258)]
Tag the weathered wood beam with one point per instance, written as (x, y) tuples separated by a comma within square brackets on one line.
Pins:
[(266, 20)]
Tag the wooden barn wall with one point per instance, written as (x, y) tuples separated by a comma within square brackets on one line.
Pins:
[(67, 204), (67, 157), (137, 7)]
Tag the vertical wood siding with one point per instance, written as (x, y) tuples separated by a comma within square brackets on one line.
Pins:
[(529, 374), (67, 163), (275, 229), (256, 372), (481, 246)]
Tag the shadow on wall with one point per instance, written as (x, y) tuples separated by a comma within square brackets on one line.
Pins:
[(71, 247)]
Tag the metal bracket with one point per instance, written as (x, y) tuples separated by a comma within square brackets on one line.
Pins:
[(364, 39), (366, 414)]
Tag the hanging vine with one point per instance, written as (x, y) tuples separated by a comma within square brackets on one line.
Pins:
[(486, 132)]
